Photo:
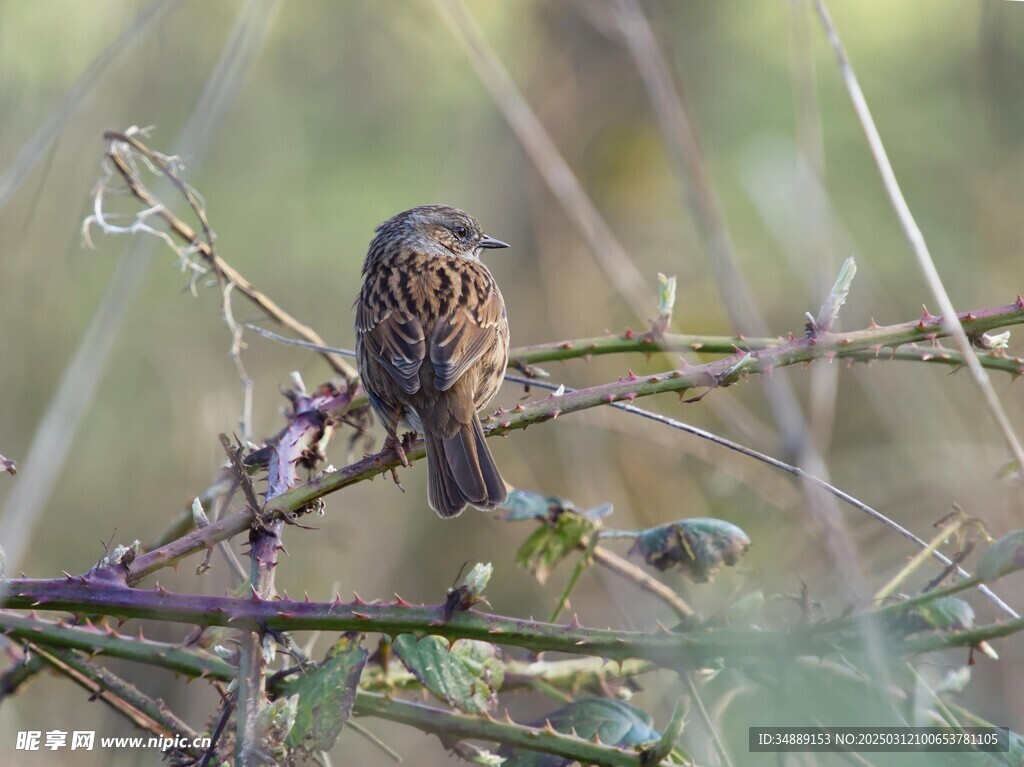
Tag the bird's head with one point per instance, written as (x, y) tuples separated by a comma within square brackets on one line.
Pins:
[(437, 230)]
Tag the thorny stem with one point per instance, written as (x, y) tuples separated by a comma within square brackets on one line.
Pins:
[(449, 725), (264, 542), (104, 641), (101, 591), (524, 358)]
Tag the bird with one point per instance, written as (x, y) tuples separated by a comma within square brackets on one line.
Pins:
[(432, 347)]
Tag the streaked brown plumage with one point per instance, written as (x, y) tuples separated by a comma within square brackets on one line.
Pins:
[(432, 345)]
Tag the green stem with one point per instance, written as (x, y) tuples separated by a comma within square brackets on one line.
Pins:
[(450, 725), (108, 642), (583, 564)]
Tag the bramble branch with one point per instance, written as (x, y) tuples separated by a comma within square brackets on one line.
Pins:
[(102, 591), (720, 373), (869, 343)]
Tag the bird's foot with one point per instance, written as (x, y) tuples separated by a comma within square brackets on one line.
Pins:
[(408, 442), (392, 442)]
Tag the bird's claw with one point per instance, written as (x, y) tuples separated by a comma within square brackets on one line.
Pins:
[(395, 479), (392, 443)]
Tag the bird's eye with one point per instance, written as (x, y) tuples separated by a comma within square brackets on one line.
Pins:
[(460, 232)]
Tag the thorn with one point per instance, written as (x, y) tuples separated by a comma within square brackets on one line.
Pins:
[(661, 627), (555, 413), (632, 375), (1019, 302), (518, 408), (874, 325), (359, 599), (575, 623), (362, 616), (630, 334), (401, 602), (305, 597), (68, 575)]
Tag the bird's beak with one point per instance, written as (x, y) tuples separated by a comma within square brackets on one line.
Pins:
[(490, 242)]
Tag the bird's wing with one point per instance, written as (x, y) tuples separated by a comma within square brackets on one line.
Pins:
[(397, 341), (460, 338)]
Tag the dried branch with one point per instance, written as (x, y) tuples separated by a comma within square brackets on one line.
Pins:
[(626, 569), (78, 383), (148, 713), (120, 145)]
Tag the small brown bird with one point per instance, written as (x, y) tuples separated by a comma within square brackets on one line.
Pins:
[(432, 345)]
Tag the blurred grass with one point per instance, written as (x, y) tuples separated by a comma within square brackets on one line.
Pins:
[(355, 111)]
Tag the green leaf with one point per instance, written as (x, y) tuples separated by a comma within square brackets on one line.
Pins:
[(946, 614), (698, 547), (550, 543), (837, 296), (326, 695), (1003, 557), (613, 722), (467, 676)]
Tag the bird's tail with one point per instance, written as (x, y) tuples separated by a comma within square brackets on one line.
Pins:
[(461, 470)]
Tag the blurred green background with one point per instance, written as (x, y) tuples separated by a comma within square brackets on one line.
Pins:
[(349, 112)]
